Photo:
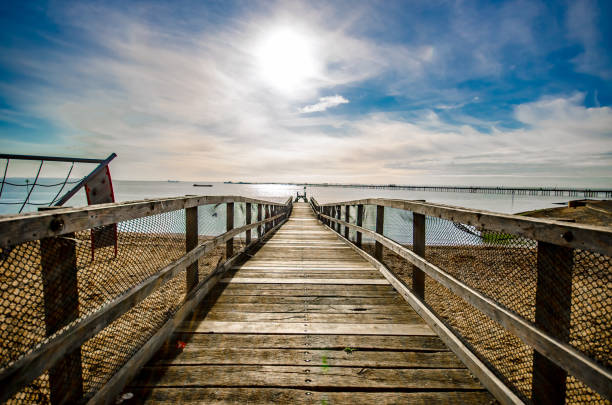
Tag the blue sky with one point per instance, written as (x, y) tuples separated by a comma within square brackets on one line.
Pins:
[(491, 92)]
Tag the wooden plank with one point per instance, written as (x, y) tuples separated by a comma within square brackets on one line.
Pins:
[(310, 328), (310, 341), (304, 396), (296, 292), (193, 355), (310, 288), (303, 268), (310, 308), (301, 317), (348, 281), (305, 376), (320, 300)]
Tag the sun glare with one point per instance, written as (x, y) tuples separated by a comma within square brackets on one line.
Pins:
[(286, 59)]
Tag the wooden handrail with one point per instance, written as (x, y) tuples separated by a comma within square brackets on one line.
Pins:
[(33, 226), (579, 236), (30, 366), (565, 356)]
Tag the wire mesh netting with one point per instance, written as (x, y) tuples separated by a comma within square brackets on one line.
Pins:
[(506, 268), (43, 185), (51, 284)]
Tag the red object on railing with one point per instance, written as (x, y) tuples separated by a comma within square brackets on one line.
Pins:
[(99, 190)]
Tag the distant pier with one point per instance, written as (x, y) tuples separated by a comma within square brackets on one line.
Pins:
[(535, 191), (532, 191)]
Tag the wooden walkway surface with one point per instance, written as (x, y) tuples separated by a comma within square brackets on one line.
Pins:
[(306, 320)]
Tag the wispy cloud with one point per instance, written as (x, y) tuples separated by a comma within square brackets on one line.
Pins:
[(324, 103)]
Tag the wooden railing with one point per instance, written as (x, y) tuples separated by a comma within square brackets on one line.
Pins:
[(60, 352), (556, 243)]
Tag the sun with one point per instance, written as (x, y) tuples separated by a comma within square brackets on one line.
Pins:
[(286, 59)]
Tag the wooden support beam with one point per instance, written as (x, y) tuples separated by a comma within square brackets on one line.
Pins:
[(346, 218), (418, 247), (338, 216), (229, 245), (61, 303), (191, 241), (248, 221), (259, 229), (359, 223), (380, 222), (552, 315)]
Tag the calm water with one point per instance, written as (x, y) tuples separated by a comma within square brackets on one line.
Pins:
[(398, 224), (137, 190), (128, 190)]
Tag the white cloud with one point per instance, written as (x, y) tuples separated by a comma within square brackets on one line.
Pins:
[(324, 103)]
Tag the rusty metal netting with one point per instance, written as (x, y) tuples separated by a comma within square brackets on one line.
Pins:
[(504, 267), (48, 285)]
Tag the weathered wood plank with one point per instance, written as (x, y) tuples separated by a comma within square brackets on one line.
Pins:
[(305, 376), (302, 300), (310, 308), (309, 328), (304, 396), (311, 341), (347, 281), (297, 357), (300, 317)]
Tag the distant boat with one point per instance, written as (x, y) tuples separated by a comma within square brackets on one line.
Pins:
[(202, 185), (173, 181)]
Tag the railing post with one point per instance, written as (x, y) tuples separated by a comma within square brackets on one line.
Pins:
[(258, 220), (552, 315), (359, 223), (191, 241), (338, 215), (418, 247), (380, 221), (248, 221), (61, 303), (346, 219), (229, 245), (268, 226)]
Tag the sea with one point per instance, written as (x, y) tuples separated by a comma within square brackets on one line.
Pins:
[(212, 218)]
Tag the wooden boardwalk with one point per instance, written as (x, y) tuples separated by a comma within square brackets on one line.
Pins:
[(305, 320)]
